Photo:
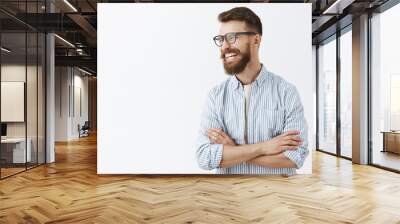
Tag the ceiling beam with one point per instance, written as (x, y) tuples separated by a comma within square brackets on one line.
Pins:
[(337, 6), (85, 61), (85, 25)]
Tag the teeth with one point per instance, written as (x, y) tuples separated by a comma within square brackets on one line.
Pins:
[(229, 55)]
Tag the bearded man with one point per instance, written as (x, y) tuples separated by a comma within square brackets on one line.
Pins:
[(253, 122)]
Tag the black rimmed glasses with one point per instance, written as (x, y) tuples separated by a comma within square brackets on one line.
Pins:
[(229, 37)]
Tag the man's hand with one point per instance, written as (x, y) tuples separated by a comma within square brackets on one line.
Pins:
[(217, 136), (287, 141)]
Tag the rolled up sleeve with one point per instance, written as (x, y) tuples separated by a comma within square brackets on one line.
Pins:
[(208, 155), (295, 120)]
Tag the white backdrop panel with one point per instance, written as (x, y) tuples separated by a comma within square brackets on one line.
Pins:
[(156, 64)]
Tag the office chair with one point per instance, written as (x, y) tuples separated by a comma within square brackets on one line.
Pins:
[(84, 130)]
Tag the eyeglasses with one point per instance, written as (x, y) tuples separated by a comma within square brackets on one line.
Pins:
[(229, 37)]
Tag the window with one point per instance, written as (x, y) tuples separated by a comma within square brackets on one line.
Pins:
[(385, 89), (327, 97), (346, 94)]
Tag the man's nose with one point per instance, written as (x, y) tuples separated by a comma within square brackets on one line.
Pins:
[(225, 45)]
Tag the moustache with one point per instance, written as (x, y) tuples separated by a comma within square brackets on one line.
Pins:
[(236, 51)]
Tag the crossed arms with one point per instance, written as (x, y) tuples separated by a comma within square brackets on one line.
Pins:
[(267, 153), (215, 149)]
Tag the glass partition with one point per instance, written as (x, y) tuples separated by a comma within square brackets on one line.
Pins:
[(22, 77), (32, 95), (327, 96), (14, 153), (41, 91)]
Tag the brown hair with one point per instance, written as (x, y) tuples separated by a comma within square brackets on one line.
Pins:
[(242, 14)]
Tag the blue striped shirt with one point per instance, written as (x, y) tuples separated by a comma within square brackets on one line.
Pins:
[(274, 108)]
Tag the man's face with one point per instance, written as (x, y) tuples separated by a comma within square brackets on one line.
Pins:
[(237, 55)]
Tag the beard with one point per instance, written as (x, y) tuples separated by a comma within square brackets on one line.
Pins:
[(232, 67)]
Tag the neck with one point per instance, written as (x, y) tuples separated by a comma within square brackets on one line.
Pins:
[(249, 73)]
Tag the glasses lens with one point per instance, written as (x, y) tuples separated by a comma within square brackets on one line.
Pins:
[(218, 40), (230, 37)]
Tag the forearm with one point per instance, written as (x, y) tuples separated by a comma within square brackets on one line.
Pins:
[(233, 155), (273, 161)]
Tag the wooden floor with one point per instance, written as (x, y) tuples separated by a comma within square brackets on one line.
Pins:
[(70, 191)]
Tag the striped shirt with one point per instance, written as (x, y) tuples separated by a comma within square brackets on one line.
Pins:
[(274, 108)]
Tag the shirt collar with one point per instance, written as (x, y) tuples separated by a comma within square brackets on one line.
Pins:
[(235, 83)]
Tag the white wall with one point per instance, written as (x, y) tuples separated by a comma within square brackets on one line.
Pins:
[(68, 81), (17, 72), (80, 83), (61, 103), (153, 78)]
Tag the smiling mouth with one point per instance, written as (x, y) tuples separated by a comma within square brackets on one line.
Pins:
[(229, 55)]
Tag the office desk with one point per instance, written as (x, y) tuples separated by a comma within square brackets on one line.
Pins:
[(13, 150), (391, 141)]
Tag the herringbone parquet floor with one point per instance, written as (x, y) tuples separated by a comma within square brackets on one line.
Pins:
[(70, 191)]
